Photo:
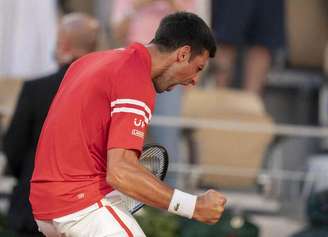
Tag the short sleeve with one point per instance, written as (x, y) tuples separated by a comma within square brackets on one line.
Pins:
[(131, 105)]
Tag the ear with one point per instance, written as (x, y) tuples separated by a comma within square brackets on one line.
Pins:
[(184, 53)]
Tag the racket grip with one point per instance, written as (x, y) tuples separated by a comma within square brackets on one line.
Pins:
[(182, 204)]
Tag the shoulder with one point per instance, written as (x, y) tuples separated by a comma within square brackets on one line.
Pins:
[(135, 60)]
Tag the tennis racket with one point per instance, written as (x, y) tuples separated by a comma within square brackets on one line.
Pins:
[(154, 158)]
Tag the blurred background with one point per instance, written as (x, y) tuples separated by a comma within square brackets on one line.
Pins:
[(255, 127)]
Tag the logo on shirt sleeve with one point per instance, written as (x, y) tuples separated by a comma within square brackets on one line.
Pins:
[(133, 106), (137, 133), (139, 123)]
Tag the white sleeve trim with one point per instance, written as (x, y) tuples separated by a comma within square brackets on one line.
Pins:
[(133, 102), (130, 110)]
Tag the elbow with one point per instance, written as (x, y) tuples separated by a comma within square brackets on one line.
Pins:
[(115, 178), (120, 167)]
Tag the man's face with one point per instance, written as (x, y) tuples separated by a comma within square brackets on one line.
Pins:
[(182, 72)]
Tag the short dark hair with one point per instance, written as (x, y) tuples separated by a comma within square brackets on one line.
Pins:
[(185, 28)]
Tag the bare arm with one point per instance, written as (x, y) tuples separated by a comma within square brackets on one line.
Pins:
[(125, 174)]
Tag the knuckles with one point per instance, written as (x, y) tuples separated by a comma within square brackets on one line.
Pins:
[(214, 204)]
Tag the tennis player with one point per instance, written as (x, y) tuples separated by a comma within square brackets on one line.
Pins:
[(94, 132)]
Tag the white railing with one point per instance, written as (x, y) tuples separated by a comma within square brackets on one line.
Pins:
[(230, 125)]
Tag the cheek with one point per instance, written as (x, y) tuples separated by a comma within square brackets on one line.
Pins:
[(188, 73), (184, 72), (180, 73)]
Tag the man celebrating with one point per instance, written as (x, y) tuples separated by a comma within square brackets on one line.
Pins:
[(87, 150)]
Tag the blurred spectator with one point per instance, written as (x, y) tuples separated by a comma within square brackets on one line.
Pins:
[(77, 36), (103, 9), (317, 214), (256, 24), (136, 21), (28, 38)]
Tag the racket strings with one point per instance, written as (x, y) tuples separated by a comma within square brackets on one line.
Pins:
[(153, 158)]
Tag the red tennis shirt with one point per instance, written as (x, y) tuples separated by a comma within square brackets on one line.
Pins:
[(104, 101)]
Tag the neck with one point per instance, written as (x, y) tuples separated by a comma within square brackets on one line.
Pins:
[(159, 61)]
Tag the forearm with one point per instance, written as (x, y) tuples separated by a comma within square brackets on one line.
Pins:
[(125, 174), (134, 180)]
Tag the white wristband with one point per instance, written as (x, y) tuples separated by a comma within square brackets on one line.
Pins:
[(182, 204)]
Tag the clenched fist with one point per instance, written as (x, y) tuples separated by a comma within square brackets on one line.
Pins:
[(209, 207)]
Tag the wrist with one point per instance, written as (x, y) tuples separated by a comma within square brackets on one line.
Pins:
[(198, 207), (182, 204)]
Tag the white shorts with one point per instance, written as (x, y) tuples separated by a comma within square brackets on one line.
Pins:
[(102, 219)]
